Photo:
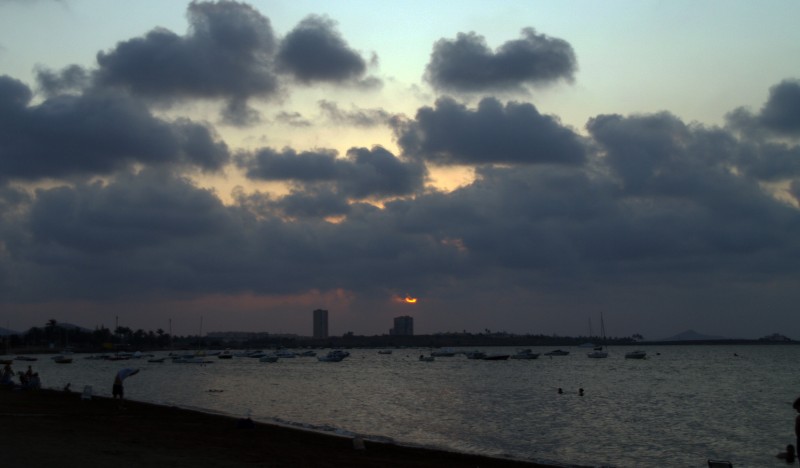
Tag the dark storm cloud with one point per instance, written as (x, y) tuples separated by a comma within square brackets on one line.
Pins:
[(779, 116), (467, 64), (357, 117), (314, 51), (154, 233), (451, 133), (311, 203), (377, 172), (268, 164), (133, 211), (363, 173), (781, 113), (226, 54), (93, 133)]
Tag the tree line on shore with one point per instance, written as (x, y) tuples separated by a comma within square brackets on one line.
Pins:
[(54, 335)]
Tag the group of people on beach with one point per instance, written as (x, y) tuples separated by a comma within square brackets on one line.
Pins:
[(28, 380)]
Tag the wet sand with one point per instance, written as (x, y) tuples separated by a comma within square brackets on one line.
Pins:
[(49, 428)]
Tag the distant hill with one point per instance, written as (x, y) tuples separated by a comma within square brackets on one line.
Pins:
[(7, 332), (691, 335)]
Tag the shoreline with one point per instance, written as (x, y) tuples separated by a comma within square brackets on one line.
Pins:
[(50, 427)]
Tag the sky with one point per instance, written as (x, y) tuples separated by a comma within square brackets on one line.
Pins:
[(517, 166)]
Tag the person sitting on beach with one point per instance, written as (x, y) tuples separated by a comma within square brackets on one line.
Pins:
[(118, 390), (23, 379)]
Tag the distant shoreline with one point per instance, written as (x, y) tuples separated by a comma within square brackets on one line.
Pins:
[(421, 341)]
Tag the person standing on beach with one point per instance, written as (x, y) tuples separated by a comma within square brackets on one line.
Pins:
[(118, 390), (796, 407)]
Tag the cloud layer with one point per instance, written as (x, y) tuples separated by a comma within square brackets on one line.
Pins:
[(99, 201)]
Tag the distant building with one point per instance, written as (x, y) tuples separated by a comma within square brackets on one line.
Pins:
[(403, 326), (320, 323)]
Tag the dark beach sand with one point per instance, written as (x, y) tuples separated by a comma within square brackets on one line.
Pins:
[(54, 429)]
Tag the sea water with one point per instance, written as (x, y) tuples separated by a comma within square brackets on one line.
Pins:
[(679, 407)]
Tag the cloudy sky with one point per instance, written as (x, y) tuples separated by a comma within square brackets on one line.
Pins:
[(517, 166)]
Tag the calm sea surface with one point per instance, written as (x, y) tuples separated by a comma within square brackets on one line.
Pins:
[(679, 407)]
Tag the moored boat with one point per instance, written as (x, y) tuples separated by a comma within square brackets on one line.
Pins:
[(334, 356), (268, 358), (599, 352), (475, 354), (557, 352), (638, 354), (525, 354), (496, 357)]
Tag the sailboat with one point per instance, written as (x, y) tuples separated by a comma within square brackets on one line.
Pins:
[(598, 352)]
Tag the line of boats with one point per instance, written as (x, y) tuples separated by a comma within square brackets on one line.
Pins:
[(597, 352), (336, 355)]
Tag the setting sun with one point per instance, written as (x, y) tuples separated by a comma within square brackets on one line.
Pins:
[(411, 300)]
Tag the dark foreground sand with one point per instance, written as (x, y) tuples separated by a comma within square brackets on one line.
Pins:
[(53, 429)]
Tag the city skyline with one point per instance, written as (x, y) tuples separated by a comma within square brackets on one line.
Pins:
[(515, 166)]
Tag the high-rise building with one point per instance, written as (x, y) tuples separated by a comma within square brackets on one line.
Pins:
[(403, 326), (320, 323)]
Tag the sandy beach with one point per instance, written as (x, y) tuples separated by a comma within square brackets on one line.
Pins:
[(51, 428)]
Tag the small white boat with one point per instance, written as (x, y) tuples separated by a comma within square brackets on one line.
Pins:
[(557, 352), (225, 354), (635, 355), (525, 354)]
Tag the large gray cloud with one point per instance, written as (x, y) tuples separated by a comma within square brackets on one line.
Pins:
[(451, 133), (781, 113), (779, 116), (94, 133), (227, 54), (467, 64), (315, 51)]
